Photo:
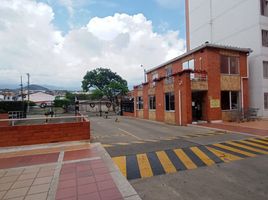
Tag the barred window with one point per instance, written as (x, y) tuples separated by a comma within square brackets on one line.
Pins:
[(229, 100), (139, 103), (265, 69), (152, 103), (229, 64), (266, 100), (170, 101), (264, 38), (169, 78)]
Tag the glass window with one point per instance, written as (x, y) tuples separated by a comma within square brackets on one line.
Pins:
[(154, 76), (152, 102), (169, 78), (225, 100), (229, 65), (234, 65), (188, 64), (170, 101), (185, 65), (229, 100), (266, 100), (139, 103), (264, 7), (265, 69), (224, 64), (191, 64), (265, 38)]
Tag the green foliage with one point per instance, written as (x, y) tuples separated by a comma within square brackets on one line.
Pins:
[(96, 94), (105, 82), (31, 103), (70, 96), (6, 106), (62, 103)]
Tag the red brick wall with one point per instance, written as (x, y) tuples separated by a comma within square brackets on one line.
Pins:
[(145, 102), (129, 114), (4, 116), (45, 133)]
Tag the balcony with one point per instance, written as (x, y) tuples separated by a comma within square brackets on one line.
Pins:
[(199, 81)]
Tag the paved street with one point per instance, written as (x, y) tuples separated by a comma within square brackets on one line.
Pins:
[(157, 159)]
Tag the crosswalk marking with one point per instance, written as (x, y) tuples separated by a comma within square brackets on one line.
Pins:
[(144, 166), (248, 147), (202, 156), (121, 163), (259, 141), (172, 160), (226, 157), (166, 163), (185, 159), (254, 144), (235, 150)]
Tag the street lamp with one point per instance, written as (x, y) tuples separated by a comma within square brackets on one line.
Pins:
[(144, 70)]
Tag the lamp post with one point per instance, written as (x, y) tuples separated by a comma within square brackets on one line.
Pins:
[(144, 70), (28, 88)]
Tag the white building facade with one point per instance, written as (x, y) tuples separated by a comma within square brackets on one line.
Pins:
[(242, 23)]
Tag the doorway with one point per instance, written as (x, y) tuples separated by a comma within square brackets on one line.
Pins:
[(198, 104)]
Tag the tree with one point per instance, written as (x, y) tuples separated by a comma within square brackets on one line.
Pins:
[(105, 82)]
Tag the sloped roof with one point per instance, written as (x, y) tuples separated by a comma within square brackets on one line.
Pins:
[(218, 46)]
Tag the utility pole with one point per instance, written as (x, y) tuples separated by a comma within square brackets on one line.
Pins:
[(28, 88), (21, 91)]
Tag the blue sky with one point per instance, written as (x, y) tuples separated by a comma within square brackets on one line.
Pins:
[(58, 41), (164, 14)]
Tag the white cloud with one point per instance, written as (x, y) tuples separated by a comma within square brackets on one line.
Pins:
[(30, 43)]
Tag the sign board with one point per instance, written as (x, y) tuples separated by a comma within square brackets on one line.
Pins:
[(215, 103)]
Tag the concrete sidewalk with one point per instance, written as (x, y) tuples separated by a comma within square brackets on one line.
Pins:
[(70, 170)]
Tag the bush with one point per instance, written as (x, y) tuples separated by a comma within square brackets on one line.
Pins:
[(64, 103)]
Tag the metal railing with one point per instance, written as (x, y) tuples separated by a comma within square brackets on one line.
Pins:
[(44, 120)]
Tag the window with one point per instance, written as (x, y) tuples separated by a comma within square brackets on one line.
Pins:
[(154, 76), (229, 100), (266, 100), (170, 101), (152, 102), (264, 7), (139, 103), (169, 78), (229, 65), (265, 69), (264, 38), (188, 64)]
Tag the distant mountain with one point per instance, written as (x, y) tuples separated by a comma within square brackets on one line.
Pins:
[(36, 87)]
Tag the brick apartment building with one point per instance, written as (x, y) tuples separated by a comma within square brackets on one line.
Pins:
[(208, 83)]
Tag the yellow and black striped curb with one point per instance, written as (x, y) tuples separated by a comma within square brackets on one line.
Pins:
[(173, 160), (163, 139)]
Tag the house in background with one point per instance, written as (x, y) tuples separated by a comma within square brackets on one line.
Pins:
[(236, 23), (42, 98), (208, 83)]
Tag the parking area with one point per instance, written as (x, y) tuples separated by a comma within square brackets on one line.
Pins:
[(170, 162)]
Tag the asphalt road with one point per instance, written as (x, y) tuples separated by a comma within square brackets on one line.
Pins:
[(241, 179)]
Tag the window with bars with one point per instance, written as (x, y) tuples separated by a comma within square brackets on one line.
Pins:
[(229, 100), (266, 100), (139, 103), (264, 7), (229, 64), (264, 38), (170, 101), (265, 69), (154, 76), (152, 103), (169, 78)]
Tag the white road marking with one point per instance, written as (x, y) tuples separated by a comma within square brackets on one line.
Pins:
[(128, 133)]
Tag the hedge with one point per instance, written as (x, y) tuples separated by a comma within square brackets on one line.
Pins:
[(6, 106)]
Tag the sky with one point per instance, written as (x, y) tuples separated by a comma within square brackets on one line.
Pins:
[(58, 41)]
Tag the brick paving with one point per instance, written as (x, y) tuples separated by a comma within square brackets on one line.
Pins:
[(236, 127), (68, 173)]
